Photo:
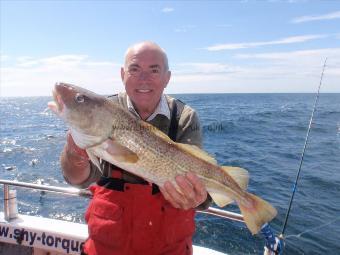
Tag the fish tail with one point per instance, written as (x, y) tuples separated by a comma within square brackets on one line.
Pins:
[(256, 212)]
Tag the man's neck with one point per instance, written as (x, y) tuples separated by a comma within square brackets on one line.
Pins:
[(146, 112)]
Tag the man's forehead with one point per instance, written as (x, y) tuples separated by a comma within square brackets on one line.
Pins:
[(150, 58), (136, 64), (146, 54)]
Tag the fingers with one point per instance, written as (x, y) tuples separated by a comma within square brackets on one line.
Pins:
[(201, 193), (169, 193), (192, 192), (188, 192), (73, 148)]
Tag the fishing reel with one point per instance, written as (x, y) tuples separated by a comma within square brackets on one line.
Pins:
[(273, 245)]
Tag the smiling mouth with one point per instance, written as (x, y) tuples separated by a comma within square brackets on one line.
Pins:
[(143, 90)]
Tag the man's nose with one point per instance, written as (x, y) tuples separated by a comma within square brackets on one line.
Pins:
[(144, 75)]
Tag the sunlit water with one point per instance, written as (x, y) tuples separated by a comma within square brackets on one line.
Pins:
[(263, 133)]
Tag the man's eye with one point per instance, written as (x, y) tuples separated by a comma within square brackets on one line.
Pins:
[(155, 71), (134, 70), (79, 98)]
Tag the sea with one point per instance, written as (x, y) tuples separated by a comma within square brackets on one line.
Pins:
[(263, 133)]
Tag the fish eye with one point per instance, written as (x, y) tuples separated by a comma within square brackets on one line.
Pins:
[(79, 98)]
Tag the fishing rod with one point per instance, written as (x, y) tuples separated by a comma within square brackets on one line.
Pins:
[(274, 245), (303, 152)]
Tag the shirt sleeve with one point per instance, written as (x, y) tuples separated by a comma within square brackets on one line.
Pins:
[(94, 176)]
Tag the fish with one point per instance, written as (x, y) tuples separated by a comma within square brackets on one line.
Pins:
[(108, 131)]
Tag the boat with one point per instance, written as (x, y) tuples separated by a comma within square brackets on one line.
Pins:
[(33, 235)]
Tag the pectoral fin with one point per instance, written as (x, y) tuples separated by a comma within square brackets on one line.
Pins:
[(119, 152), (94, 159)]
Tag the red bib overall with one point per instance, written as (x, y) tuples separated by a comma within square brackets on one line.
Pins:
[(129, 219)]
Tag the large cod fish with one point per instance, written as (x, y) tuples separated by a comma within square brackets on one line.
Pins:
[(98, 124)]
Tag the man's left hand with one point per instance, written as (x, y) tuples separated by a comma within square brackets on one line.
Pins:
[(193, 192)]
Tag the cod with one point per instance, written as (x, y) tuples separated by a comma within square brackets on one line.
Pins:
[(106, 130)]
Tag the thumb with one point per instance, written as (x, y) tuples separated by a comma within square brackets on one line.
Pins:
[(73, 147)]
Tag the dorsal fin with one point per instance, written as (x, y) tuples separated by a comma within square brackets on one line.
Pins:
[(193, 149), (156, 131), (240, 175)]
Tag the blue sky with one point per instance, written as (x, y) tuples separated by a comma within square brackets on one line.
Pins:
[(213, 46)]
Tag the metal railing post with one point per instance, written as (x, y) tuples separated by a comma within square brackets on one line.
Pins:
[(6, 202)]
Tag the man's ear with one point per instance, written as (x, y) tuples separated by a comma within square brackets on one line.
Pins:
[(122, 73), (168, 76)]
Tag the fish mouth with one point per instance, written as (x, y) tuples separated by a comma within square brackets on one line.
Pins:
[(57, 105)]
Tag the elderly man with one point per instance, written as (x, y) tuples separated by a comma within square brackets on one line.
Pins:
[(128, 215)]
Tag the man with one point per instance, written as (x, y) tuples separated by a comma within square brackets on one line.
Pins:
[(127, 215)]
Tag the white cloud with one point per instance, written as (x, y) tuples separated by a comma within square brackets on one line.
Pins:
[(303, 63), (69, 60), (287, 40), (36, 76), (296, 71), (4, 58), (334, 52), (328, 16), (190, 68), (184, 28), (168, 9), (180, 30)]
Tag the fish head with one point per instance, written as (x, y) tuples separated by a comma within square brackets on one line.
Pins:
[(85, 112)]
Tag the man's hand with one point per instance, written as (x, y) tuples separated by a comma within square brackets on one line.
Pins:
[(193, 192), (72, 148), (74, 162)]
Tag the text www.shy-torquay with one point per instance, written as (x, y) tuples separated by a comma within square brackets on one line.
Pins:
[(20, 235)]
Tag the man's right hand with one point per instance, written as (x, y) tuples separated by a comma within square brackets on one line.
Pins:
[(74, 162)]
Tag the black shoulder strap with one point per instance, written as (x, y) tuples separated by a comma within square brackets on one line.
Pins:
[(177, 110)]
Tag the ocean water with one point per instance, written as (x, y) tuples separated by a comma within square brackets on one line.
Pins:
[(263, 133)]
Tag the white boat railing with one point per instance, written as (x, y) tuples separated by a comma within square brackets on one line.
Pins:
[(86, 193)]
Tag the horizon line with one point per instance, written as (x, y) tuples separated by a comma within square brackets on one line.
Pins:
[(198, 93)]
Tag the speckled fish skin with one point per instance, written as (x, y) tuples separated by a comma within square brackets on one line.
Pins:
[(94, 118), (159, 160)]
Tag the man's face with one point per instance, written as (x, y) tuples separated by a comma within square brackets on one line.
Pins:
[(145, 77)]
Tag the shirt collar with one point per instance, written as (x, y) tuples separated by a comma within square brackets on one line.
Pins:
[(162, 108)]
